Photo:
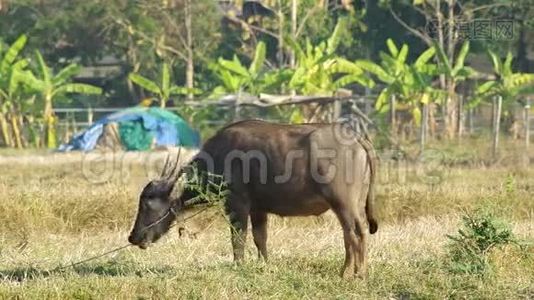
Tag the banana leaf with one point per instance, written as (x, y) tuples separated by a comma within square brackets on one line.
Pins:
[(145, 83), (11, 54), (78, 88), (259, 59)]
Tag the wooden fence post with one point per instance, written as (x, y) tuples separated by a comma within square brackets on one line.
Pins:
[(90, 115), (470, 120), (424, 122), (497, 122), (74, 124), (337, 110), (237, 108), (392, 114), (66, 134), (461, 116), (527, 125), (367, 103)]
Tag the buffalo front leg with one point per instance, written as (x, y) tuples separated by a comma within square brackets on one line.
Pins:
[(259, 232), (238, 211), (238, 229)]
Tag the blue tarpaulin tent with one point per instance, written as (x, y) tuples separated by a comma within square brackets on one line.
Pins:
[(139, 128)]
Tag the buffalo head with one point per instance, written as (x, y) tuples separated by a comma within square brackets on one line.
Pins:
[(157, 208)]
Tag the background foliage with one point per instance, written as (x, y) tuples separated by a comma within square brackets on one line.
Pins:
[(204, 48)]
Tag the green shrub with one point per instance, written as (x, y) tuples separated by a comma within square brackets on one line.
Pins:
[(481, 233), (510, 184)]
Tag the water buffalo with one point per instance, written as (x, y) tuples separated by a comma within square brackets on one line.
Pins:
[(288, 170)]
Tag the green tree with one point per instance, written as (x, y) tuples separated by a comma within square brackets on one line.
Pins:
[(63, 30), (439, 23), (10, 64), (141, 33), (50, 87), (166, 30), (273, 21)]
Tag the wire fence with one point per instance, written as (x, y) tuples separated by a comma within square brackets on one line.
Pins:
[(473, 121)]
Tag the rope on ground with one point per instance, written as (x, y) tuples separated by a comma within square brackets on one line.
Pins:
[(72, 265), (83, 261)]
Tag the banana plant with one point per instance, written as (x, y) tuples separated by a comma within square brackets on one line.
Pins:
[(10, 64), (508, 85), (319, 71), (234, 76), (455, 71), (50, 87), (411, 83), (163, 89), (392, 71), (420, 77)]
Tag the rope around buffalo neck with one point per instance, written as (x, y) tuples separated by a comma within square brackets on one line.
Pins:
[(173, 211)]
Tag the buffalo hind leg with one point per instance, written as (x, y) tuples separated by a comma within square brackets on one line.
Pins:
[(259, 232), (350, 240), (360, 266)]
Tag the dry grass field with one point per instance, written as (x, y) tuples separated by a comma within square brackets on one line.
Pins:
[(53, 214)]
